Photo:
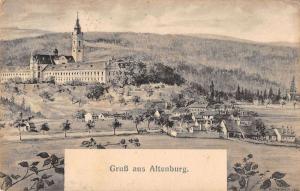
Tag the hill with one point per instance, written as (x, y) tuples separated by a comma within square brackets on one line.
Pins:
[(227, 62), (14, 33)]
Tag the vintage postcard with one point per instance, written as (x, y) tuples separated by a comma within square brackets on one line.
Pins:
[(149, 95)]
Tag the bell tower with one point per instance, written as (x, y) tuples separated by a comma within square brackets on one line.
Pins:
[(77, 42)]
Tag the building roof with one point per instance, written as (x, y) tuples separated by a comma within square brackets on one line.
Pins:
[(50, 59), (197, 105), (270, 132), (180, 110), (100, 65), (232, 126)]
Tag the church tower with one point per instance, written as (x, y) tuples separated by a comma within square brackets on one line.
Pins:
[(77, 42)]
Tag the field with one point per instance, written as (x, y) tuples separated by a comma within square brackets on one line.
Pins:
[(278, 116), (269, 158)]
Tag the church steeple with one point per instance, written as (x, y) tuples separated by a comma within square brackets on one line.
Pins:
[(77, 42), (77, 27)]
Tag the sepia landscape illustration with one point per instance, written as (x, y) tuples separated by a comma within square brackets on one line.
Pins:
[(197, 74)]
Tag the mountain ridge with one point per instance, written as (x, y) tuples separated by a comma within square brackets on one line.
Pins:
[(274, 64)]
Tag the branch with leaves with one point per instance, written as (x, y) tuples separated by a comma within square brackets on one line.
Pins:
[(34, 171), (249, 178)]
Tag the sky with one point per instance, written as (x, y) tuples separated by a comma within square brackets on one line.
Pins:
[(257, 20)]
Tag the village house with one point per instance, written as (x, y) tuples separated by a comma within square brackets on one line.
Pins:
[(197, 108), (280, 135), (88, 117), (177, 112), (231, 129)]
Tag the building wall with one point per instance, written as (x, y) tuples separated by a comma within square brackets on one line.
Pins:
[(24, 75), (87, 76)]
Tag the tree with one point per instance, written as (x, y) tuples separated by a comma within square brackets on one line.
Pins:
[(90, 125), (238, 93), (136, 99), (271, 94), (110, 98), (23, 103), (260, 127), (45, 127), (80, 114), (278, 97), (212, 90), (95, 91), (178, 99), (265, 94), (293, 89), (66, 127), (18, 123), (137, 120), (149, 91), (116, 124), (149, 117), (122, 100)]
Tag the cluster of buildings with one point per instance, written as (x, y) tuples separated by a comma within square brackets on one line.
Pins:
[(228, 120), (63, 68)]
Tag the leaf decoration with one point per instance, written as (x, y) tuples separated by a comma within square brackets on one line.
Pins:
[(34, 169), (255, 166), (45, 176), (242, 182), (266, 184), (35, 179), (2, 175), (85, 144), (251, 173), (49, 182), (7, 182), (100, 146), (123, 141), (54, 159), (233, 188), (281, 183), (35, 163), (15, 176), (237, 164), (43, 155), (248, 166), (250, 156), (60, 170), (239, 170), (62, 162), (46, 162), (24, 164), (233, 177), (40, 185), (278, 175)]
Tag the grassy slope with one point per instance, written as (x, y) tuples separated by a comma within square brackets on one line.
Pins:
[(190, 55)]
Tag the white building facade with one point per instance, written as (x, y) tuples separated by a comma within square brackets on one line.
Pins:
[(63, 68)]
